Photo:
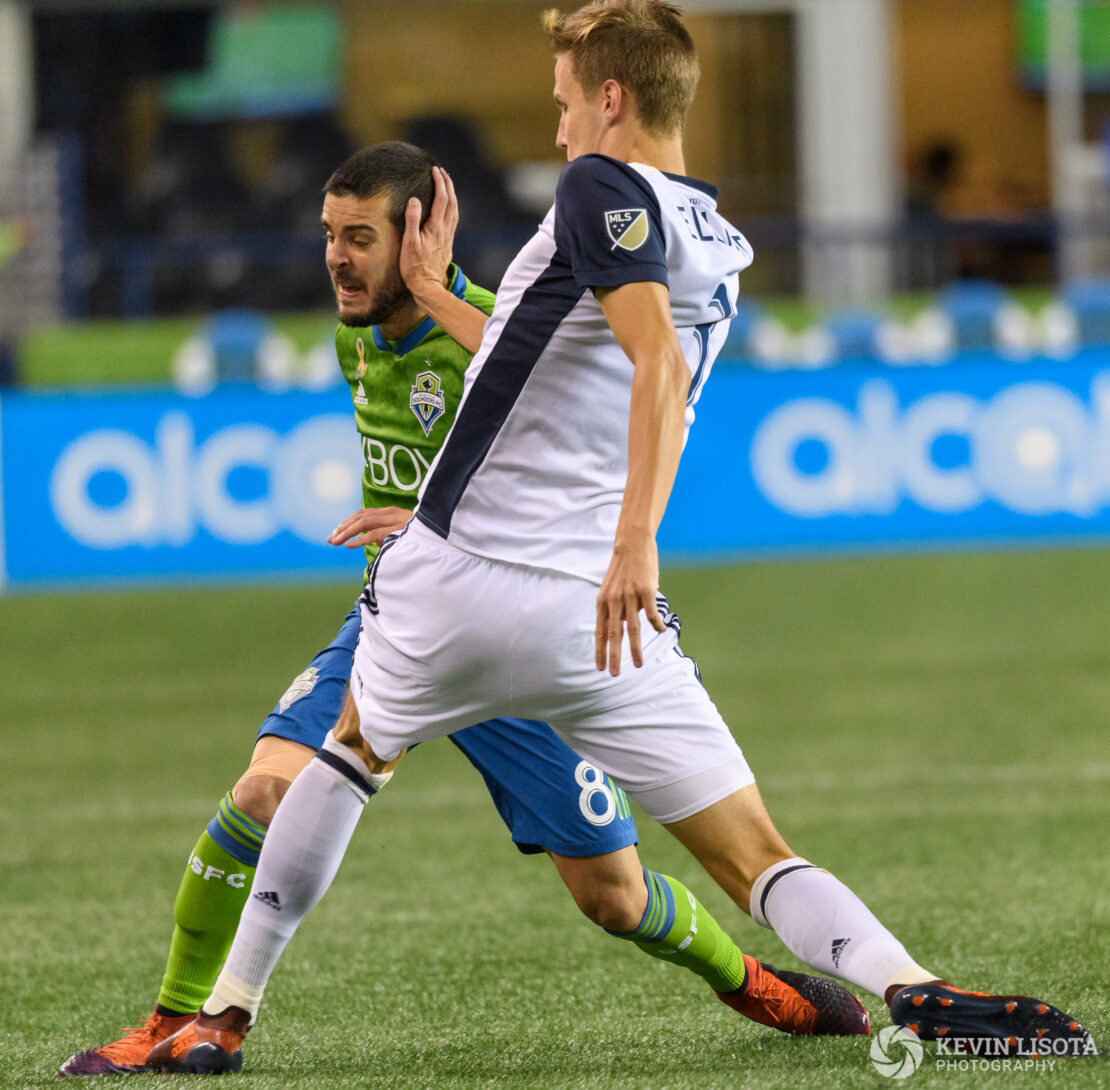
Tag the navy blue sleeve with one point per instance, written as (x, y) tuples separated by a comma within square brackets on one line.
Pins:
[(607, 224)]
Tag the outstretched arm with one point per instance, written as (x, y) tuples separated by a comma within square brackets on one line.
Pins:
[(425, 255), (639, 315)]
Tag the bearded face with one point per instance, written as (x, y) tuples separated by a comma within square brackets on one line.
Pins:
[(363, 247)]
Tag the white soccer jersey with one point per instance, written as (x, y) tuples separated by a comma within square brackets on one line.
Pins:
[(533, 471)]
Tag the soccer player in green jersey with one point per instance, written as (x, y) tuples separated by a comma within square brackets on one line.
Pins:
[(409, 324)]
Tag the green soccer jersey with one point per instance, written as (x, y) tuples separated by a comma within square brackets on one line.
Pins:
[(405, 396)]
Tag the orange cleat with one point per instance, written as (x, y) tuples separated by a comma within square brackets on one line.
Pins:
[(208, 1045), (808, 1006), (129, 1053)]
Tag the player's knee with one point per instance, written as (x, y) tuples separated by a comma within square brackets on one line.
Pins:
[(613, 907), (258, 795), (275, 764)]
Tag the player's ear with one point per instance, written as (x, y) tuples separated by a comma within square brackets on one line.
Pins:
[(614, 99)]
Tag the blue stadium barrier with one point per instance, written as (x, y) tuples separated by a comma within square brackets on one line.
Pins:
[(149, 486), (854, 333), (973, 305), (748, 314), (1089, 300)]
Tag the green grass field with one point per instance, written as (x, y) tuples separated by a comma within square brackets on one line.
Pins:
[(934, 730)]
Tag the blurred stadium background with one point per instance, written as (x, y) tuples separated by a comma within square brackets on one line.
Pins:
[(921, 365), (918, 357)]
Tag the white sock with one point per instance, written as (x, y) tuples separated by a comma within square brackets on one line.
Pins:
[(827, 926), (302, 851)]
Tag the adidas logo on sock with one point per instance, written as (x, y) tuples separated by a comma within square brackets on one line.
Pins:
[(269, 898), (838, 946)]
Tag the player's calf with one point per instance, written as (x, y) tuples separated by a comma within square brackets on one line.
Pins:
[(275, 763)]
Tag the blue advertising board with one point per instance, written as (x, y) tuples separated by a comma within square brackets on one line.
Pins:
[(140, 486), (143, 486), (985, 451)]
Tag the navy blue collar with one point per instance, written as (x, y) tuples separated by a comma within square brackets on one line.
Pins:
[(694, 183), (411, 339), (705, 187)]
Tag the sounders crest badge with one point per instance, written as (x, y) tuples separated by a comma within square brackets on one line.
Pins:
[(426, 401), (627, 227), (302, 685)]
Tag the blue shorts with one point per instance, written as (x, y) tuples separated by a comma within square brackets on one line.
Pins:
[(548, 796)]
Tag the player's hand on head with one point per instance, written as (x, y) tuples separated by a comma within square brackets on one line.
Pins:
[(426, 251), (369, 526), (630, 585)]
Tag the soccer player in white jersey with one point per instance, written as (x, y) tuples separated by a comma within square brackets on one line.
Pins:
[(405, 372), (527, 584)]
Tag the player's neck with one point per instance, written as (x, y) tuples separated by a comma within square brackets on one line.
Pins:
[(402, 321), (635, 145)]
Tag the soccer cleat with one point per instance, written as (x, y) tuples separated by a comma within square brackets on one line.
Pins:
[(809, 1006), (128, 1054), (207, 1045), (939, 1011)]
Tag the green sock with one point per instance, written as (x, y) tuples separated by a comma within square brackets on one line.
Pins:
[(209, 902), (677, 928)]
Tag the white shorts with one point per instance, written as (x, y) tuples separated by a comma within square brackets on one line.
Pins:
[(450, 639)]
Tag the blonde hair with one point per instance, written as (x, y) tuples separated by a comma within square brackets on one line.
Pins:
[(642, 44)]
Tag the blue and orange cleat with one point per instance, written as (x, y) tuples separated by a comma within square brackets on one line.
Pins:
[(988, 1025), (808, 1006), (209, 1044), (129, 1053)]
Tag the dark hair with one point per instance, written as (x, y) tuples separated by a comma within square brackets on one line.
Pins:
[(394, 167)]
